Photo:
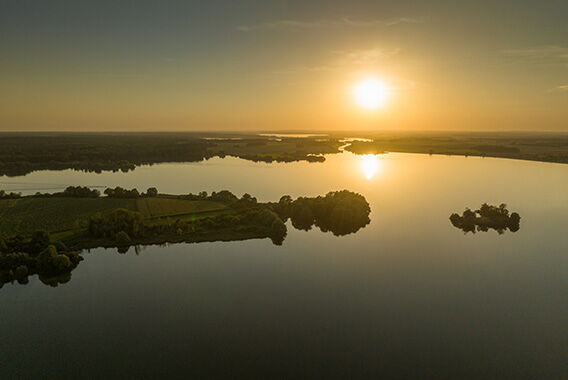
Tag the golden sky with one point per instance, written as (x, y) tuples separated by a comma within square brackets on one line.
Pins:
[(224, 65)]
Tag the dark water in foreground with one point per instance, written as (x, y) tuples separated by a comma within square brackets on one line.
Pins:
[(409, 295)]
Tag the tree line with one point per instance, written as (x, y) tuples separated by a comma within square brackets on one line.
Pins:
[(22, 154), (86, 192)]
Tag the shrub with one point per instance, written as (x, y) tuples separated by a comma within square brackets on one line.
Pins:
[(152, 192), (45, 259), (109, 225), (21, 272), (81, 192), (122, 238), (61, 247), (223, 196), (119, 192), (62, 263), (40, 241)]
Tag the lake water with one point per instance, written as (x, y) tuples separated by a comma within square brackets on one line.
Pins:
[(408, 295)]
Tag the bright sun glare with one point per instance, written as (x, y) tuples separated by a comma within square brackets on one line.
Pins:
[(370, 93)]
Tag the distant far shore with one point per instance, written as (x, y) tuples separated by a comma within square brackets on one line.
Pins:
[(22, 153)]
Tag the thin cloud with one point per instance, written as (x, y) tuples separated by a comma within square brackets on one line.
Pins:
[(401, 84), (325, 24), (116, 76), (354, 59), (365, 57), (343, 58), (122, 76), (544, 55), (561, 88)]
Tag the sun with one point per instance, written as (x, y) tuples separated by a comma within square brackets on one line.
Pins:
[(370, 93)]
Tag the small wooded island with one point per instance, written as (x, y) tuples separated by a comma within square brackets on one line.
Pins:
[(487, 217), (44, 234)]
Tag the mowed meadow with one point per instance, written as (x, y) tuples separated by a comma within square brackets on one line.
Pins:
[(164, 206)]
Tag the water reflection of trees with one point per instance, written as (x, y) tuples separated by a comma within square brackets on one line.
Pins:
[(53, 261), (485, 218), (339, 212)]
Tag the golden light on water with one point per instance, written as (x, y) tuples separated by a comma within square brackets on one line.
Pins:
[(370, 165), (370, 93)]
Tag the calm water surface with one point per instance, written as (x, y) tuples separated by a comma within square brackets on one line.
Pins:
[(408, 295)]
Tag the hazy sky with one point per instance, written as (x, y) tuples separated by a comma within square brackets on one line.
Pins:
[(282, 65)]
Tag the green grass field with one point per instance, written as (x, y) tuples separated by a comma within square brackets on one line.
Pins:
[(160, 207), (27, 215), (54, 214)]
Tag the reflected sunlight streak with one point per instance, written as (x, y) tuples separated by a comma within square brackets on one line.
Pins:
[(370, 165)]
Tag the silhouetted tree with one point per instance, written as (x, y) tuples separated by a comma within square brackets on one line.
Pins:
[(152, 192), (80, 192), (119, 192), (301, 214)]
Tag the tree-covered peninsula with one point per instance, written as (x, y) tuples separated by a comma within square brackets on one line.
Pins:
[(44, 234)]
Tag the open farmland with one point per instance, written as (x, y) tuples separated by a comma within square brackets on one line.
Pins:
[(56, 214), (26, 215), (161, 206)]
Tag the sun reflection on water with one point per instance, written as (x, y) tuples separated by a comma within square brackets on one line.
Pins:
[(370, 164)]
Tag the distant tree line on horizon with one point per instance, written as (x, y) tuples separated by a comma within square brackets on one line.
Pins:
[(11, 195), (86, 192), (21, 154)]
